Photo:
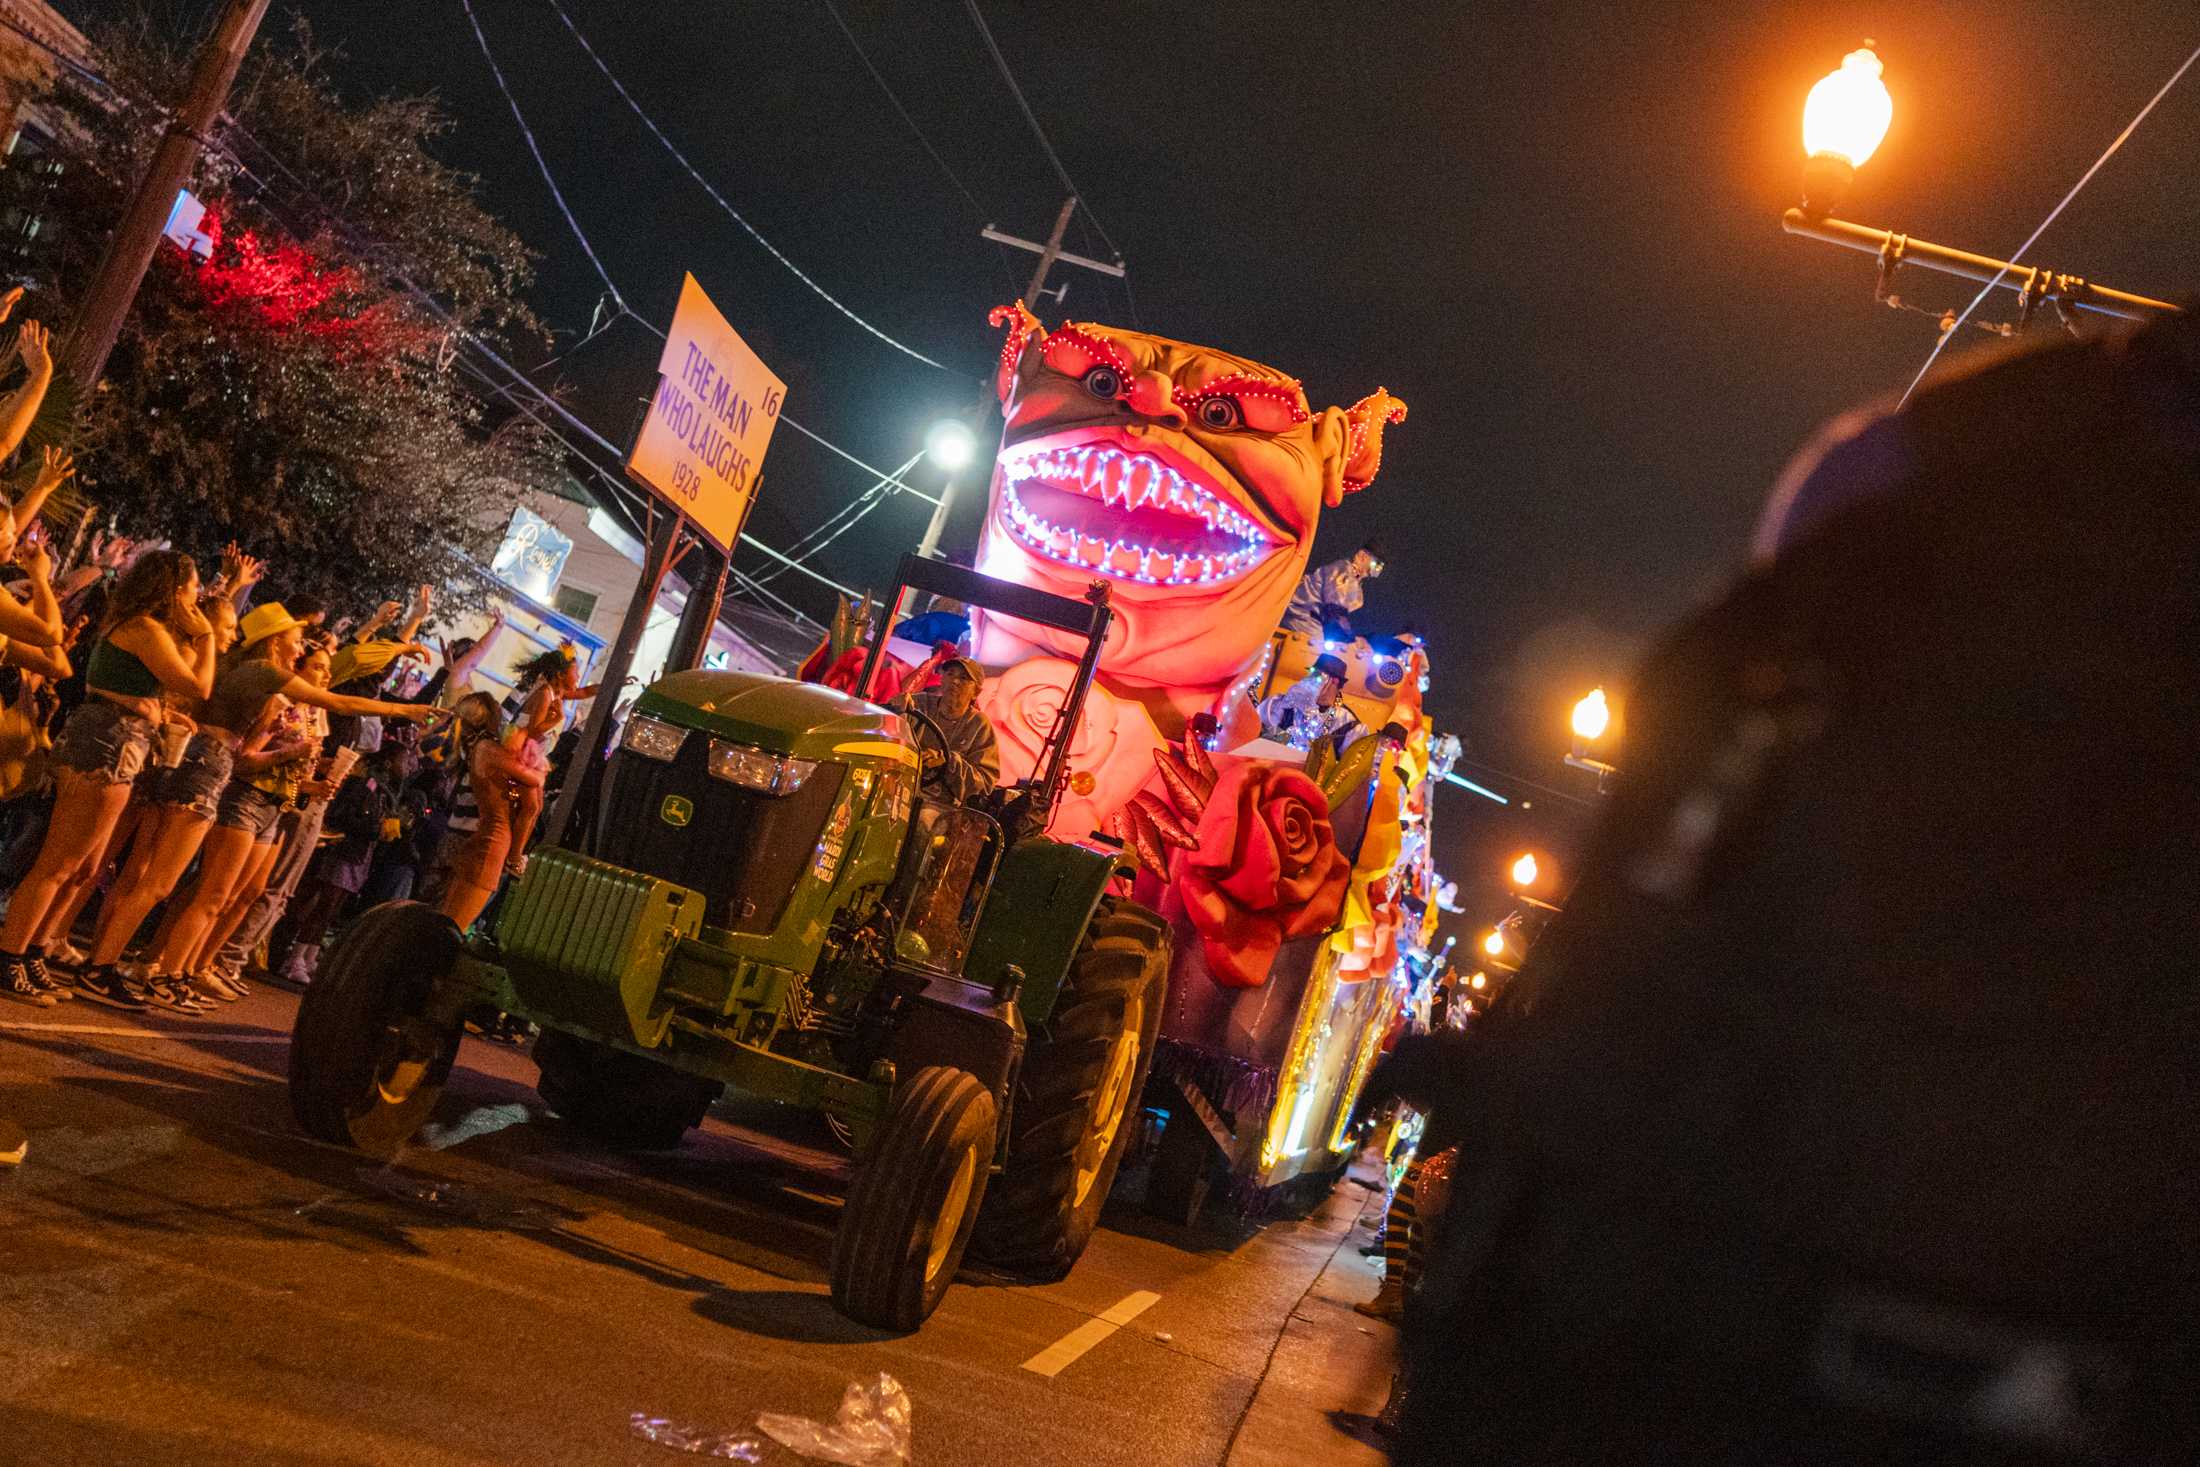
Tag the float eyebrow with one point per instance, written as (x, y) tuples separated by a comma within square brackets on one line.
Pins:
[(1245, 384), (1099, 346)]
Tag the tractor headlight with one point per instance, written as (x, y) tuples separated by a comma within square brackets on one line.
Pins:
[(653, 738), (758, 769)]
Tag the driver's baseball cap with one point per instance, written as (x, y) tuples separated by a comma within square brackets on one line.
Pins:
[(966, 666)]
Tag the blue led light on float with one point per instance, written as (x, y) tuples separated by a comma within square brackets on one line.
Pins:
[(1464, 783)]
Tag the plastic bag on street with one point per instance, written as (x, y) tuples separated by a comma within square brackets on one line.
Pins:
[(735, 1446), (872, 1429)]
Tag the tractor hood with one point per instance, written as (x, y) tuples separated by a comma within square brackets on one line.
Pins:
[(808, 720)]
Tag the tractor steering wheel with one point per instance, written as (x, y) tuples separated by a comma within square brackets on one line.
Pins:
[(939, 737)]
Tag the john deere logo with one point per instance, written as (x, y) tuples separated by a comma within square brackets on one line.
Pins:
[(676, 810)]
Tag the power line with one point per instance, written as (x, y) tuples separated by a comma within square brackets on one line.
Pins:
[(865, 57), (620, 492), (1988, 288), (620, 301), (1000, 64), (528, 133), (719, 199)]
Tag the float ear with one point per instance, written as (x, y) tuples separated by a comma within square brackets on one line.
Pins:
[(1023, 328), (1351, 443)]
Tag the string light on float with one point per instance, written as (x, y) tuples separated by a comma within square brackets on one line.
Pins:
[(1845, 119)]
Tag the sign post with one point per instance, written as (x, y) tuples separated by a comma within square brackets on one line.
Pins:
[(700, 452)]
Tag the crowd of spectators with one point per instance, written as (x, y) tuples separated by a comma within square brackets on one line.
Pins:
[(199, 780)]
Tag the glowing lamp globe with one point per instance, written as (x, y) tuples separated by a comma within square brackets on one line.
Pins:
[(950, 445), (1525, 870), (1494, 944), (1847, 114), (1592, 716), (1479, 981)]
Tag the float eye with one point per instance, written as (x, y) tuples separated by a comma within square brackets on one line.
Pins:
[(1220, 412), (1104, 382)]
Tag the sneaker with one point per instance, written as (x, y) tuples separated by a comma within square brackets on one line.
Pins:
[(220, 987), (35, 965), (191, 998), (175, 995), (15, 983), (299, 964), (66, 953), (108, 986)]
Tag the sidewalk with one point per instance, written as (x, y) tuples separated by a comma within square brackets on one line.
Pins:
[(1331, 1368)]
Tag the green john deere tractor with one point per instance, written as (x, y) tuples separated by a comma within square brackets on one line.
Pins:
[(770, 905)]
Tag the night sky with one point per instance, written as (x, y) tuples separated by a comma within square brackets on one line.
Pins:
[(1552, 229)]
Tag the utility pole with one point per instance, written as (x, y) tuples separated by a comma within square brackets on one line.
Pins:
[(130, 249), (1050, 252)]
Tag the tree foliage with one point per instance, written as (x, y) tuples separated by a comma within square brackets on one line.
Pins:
[(299, 390)]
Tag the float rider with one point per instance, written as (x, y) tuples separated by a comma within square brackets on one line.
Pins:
[(1312, 709), (1322, 607)]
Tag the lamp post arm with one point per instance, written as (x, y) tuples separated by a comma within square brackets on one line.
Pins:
[(2036, 283)]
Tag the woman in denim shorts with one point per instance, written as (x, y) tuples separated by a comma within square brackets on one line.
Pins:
[(179, 803), (154, 641), (265, 700)]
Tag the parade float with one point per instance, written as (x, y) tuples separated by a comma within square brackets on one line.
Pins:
[(1296, 882)]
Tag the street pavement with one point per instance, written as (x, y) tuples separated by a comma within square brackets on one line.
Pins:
[(186, 1279)]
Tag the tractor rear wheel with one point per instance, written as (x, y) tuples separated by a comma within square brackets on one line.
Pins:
[(366, 1063), (620, 1099), (1082, 1077), (915, 1197)]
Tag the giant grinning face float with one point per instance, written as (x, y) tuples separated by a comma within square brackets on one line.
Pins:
[(1190, 479)]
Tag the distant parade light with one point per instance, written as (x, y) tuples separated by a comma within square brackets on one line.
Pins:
[(1479, 981), (1592, 716)]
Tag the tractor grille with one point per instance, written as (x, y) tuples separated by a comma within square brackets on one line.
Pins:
[(744, 851)]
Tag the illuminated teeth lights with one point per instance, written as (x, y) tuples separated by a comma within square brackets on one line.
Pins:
[(1128, 481)]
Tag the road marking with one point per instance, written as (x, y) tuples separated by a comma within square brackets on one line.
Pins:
[(226, 1036), (1057, 1357)]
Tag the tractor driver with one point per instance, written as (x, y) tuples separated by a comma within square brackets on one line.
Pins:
[(970, 766)]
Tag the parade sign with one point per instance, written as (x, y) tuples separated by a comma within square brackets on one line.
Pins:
[(703, 443)]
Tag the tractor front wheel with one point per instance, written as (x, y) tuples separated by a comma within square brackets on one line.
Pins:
[(1081, 1081), (367, 1062), (622, 1100), (915, 1197)]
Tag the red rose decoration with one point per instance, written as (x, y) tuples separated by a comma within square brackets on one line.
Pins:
[(1267, 868)]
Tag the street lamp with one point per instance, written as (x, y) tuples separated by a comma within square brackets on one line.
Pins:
[(1592, 716), (1525, 870), (950, 446), (1844, 120), (1592, 719)]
